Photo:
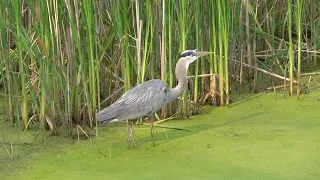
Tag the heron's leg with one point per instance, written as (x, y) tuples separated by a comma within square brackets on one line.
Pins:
[(127, 134), (151, 120), (130, 137)]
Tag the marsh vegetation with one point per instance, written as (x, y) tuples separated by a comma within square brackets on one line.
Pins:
[(62, 61)]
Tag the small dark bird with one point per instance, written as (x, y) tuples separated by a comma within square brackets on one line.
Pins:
[(147, 98)]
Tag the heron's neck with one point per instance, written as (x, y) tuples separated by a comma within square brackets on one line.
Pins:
[(178, 90), (181, 75)]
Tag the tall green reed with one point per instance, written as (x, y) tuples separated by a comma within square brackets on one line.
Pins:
[(213, 48), (4, 55), (182, 11), (90, 24), (314, 29), (198, 36), (227, 4), (290, 51), (298, 17), (221, 28), (18, 38)]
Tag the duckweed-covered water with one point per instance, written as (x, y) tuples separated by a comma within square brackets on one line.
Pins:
[(262, 136)]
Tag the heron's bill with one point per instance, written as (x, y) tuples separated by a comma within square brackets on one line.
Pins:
[(203, 53)]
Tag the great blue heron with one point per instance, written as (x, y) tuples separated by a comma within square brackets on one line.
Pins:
[(148, 97)]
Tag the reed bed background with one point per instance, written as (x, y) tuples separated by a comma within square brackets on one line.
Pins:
[(62, 61)]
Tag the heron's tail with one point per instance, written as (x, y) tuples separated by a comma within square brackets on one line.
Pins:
[(107, 115)]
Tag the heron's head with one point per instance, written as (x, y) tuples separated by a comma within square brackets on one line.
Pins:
[(186, 58), (190, 56)]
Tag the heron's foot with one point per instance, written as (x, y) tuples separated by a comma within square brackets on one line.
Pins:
[(130, 141)]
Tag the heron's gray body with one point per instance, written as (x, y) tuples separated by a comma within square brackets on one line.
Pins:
[(140, 101)]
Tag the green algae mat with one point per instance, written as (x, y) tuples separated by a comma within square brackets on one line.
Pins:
[(262, 136)]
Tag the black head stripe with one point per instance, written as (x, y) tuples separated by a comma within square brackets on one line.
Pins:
[(187, 53)]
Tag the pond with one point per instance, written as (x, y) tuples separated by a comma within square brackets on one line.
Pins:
[(264, 136)]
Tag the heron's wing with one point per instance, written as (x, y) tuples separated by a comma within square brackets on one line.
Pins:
[(142, 100), (144, 93)]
